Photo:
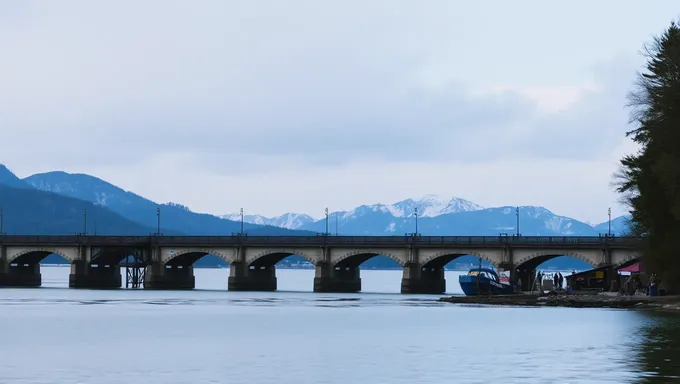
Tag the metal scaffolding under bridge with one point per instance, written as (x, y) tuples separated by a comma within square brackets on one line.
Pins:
[(135, 269)]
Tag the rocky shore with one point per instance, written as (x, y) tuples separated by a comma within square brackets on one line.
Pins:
[(665, 303)]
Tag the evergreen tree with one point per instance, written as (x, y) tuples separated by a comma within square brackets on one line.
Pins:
[(650, 179)]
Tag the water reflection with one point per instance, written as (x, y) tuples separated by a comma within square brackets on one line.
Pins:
[(659, 350)]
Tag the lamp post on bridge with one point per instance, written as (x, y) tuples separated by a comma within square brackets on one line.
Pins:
[(241, 221), (517, 214), (415, 213), (158, 221), (2, 227), (326, 233), (609, 229), (336, 223), (85, 221)]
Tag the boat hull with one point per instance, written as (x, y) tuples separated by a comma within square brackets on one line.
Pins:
[(472, 286)]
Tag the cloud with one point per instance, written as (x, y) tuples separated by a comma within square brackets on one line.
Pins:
[(242, 92)]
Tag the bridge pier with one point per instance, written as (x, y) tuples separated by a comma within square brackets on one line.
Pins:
[(527, 278), (422, 280), (20, 275), (94, 276), (175, 277), (612, 278), (251, 278), (341, 279)]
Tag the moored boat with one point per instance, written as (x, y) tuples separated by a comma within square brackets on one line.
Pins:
[(484, 281)]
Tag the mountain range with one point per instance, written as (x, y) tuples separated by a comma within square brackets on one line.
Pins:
[(439, 216), (56, 202)]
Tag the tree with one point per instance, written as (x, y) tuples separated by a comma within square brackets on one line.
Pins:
[(650, 180)]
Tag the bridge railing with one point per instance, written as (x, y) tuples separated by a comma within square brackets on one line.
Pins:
[(317, 240), (398, 240)]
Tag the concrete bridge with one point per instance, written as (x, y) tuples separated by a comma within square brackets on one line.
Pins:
[(168, 260)]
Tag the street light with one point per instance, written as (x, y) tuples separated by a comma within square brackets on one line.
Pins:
[(326, 233), (241, 220), (609, 213), (517, 214), (336, 223), (84, 221), (415, 212), (2, 229), (158, 222)]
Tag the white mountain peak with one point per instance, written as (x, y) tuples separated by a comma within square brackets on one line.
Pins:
[(429, 205), (434, 205), (287, 220)]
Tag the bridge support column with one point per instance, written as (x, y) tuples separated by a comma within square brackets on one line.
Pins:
[(345, 279), (171, 277), (93, 276), (251, 278), (20, 275), (612, 278), (527, 277), (417, 279)]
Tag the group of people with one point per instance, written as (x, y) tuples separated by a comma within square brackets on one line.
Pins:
[(557, 279), (634, 285)]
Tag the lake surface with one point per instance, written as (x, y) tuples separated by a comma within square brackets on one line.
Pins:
[(59, 335)]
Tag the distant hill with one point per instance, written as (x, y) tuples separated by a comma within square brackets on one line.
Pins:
[(619, 225), (9, 179), (29, 211), (174, 216)]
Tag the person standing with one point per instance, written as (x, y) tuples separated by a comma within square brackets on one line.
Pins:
[(560, 279)]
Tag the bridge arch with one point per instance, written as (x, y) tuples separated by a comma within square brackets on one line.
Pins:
[(187, 257), (535, 259), (357, 257), (440, 259), (270, 257), (34, 256)]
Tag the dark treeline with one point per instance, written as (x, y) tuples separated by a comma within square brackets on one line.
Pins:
[(650, 179)]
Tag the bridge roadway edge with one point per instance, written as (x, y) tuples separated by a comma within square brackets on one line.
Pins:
[(416, 279)]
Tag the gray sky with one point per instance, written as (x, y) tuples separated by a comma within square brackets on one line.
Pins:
[(294, 106)]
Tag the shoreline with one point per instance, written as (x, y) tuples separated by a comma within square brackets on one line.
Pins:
[(579, 300)]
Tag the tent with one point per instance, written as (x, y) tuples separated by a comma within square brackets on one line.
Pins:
[(635, 268)]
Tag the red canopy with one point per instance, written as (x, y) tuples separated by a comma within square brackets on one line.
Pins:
[(635, 268)]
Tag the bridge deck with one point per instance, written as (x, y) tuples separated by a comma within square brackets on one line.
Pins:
[(332, 241)]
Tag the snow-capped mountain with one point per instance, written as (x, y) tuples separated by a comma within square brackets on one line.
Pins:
[(437, 216), (426, 206), (431, 206), (287, 220)]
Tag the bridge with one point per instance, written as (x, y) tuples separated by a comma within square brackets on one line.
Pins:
[(166, 262)]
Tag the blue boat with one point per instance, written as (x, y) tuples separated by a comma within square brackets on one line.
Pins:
[(484, 281)]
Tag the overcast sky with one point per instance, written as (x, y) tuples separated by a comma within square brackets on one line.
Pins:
[(280, 106)]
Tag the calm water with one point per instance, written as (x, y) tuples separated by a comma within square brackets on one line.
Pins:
[(58, 335)]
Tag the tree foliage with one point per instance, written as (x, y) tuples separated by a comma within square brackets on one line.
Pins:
[(649, 180)]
